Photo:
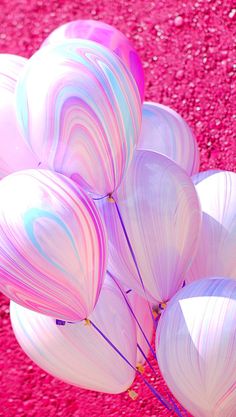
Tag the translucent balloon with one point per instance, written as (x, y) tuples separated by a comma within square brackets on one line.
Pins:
[(153, 229), (106, 35), (217, 244), (77, 353), (80, 111), (14, 152), (196, 347), (165, 131), (52, 244)]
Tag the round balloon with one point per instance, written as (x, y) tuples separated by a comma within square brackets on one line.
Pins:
[(80, 111), (14, 152), (77, 353), (52, 244), (165, 131), (196, 347), (217, 243), (152, 227), (106, 35)]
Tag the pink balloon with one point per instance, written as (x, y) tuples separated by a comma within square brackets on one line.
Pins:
[(166, 132), (217, 244), (160, 211), (196, 347), (52, 244), (107, 36), (14, 153), (77, 353), (80, 111)]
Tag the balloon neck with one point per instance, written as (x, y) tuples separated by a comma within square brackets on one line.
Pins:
[(140, 368), (132, 394), (110, 199)]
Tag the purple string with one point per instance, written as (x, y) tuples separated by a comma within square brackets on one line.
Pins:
[(133, 255), (152, 389), (133, 314), (146, 359)]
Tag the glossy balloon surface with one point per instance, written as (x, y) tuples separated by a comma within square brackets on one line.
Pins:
[(80, 112), (77, 353), (52, 244)]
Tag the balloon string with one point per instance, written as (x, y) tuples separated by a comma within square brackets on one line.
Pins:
[(133, 314), (146, 359), (162, 400), (133, 257)]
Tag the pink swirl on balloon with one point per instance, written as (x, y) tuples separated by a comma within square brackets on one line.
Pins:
[(83, 118), (105, 35), (52, 244)]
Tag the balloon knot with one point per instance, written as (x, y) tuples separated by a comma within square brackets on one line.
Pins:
[(110, 199), (87, 322), (162, 306), (132, 394), (140, 368)]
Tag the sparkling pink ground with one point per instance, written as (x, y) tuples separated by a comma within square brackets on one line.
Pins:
[(190, 64)]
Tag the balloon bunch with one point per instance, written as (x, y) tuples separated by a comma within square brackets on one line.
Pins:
[(104, 217)]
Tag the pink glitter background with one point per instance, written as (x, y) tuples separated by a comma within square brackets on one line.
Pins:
[(189, 59)]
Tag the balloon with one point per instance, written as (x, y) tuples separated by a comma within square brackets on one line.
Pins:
[(52, 244), (14, 153), (160, 211), (164, 131), (204, 174), (105, 35), (143, 315), (217, 244), (80, 112), (77, 353), (196, 347)]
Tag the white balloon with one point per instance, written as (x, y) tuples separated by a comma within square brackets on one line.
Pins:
[(196, 347), (216, 254), (76, 353)]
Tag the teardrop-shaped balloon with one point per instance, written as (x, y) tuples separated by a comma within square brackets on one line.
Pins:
[(77, 353), (107, 36), (80, 112), (196, 347), (166, 132), (14, 152), (153, 227), (52, 244), (217, 243)]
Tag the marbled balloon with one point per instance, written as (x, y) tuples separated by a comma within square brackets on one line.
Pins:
[(80, 111), (52, 244), (106, 35), (77, 353)]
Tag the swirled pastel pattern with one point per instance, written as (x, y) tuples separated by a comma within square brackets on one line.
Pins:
[(14, 152), (80, 111), (52, 244), (196, 347), (216, 254), (107, 36), (161, 214), (77, 353), (166, 132)]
